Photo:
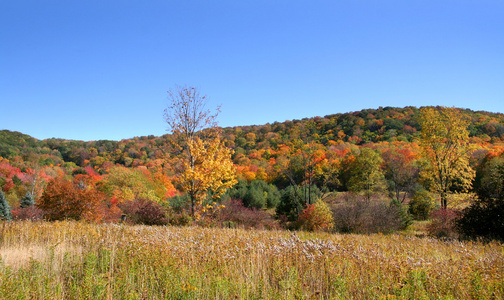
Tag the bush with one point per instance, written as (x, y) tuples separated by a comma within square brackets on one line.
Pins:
[(316, 217), (28, 213), (362, 216), (180, 219), (235, 214), (402, 213), (179, 203), (483, 219), (421, 205), (146, 212), (443, 223)]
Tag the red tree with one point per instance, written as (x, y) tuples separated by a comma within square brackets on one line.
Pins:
[(63, 199)]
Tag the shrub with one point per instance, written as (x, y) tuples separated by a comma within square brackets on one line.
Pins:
[(483, 219), (421, 205), (143, 211), (316, 217), (443, 223), (179, 203), (235, 214), (362, 216), (402, 213), (180, 219), (28, 213)]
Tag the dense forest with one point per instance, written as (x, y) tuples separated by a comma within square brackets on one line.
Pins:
[(319, 157)]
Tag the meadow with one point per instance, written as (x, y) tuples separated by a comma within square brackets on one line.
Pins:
[(78, 260)]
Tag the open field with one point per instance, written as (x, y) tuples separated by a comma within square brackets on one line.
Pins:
[(75, 260)]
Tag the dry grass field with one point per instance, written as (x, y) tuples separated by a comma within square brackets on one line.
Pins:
[(75, 260)]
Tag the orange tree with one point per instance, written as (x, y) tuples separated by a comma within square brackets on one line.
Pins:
[(64, 199)]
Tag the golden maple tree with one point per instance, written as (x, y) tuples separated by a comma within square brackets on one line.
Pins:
[(209, 169), (206, 170), (444, 138)]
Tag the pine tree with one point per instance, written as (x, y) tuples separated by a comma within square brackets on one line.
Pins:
[(5, 210), (27, 200)]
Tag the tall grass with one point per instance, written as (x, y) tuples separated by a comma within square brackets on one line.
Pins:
[(75, 260)]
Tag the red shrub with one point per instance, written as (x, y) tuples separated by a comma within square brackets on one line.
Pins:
[(28, 213), (443, 223), (316, 217), (235, 214), (145, 212)]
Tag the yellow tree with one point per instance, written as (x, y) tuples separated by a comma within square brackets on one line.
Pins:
[(206, 167), (444, 139), (211, 170)]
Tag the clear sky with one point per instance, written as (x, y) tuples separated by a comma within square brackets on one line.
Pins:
[(95, 69)]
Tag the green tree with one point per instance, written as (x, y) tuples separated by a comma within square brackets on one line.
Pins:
[(421, 205), (27, 200), (256, 194), (292, 202), (365, 173), (254, 198), (492, 179), (483, 218), (444, 139), (5, 210)]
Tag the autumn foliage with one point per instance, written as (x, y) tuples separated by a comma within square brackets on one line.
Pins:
[(206, 170), (382, 154), (64, 199), (317, 217)]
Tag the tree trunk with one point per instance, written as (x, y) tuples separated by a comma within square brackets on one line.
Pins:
[(444, 200), (192, 205)]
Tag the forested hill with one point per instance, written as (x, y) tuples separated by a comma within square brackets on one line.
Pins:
[(360, 127)]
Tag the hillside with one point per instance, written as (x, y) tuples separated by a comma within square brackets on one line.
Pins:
[(280, 168), (385, 124)]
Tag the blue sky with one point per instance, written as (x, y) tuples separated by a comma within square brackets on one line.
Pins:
[(91, 70)]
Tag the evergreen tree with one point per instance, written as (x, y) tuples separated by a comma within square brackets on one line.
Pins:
[(254, 198), (27, 200), (483, 218), (5, 210), (292, 202)]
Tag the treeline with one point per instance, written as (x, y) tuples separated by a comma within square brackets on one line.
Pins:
[(387, 124), (283, 168)]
